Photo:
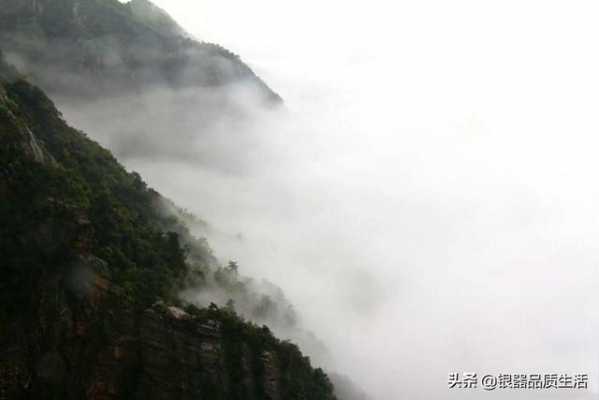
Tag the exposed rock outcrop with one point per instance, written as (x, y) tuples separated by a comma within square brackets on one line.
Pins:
[(84, 257), (82, 341)]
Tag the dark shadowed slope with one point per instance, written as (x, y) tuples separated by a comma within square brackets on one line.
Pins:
[(90, 262)]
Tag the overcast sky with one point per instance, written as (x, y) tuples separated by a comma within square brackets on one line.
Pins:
[(435, 205)]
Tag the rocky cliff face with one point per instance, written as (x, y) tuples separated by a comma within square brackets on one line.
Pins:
[(80, 340), (89, 276)]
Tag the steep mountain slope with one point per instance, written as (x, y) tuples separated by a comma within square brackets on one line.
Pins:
[(155, 18), (94, 48), (91, 259), (166, 95)]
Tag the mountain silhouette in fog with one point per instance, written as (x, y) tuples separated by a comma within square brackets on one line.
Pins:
[(92, 48)]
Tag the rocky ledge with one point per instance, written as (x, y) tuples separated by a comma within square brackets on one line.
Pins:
[(85, 341)]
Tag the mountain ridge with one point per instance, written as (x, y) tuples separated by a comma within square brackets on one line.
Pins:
[(90, 48), (123, 243), (91, 275)]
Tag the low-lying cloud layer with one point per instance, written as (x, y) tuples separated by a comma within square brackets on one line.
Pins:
[(427, 202)]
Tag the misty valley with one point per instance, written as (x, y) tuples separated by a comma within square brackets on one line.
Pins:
[(272, 200), (111, 290)]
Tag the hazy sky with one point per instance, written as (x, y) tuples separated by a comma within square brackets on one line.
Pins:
[(432, 206)]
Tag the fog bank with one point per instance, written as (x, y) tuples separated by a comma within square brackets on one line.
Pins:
[(426, 198)]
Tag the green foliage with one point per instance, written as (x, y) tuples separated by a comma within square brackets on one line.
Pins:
[(113, 47), (299, 380), (84, 183), (79, 201)]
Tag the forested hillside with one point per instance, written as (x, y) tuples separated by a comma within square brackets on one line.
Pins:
[(95, 48), (92, 263)]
